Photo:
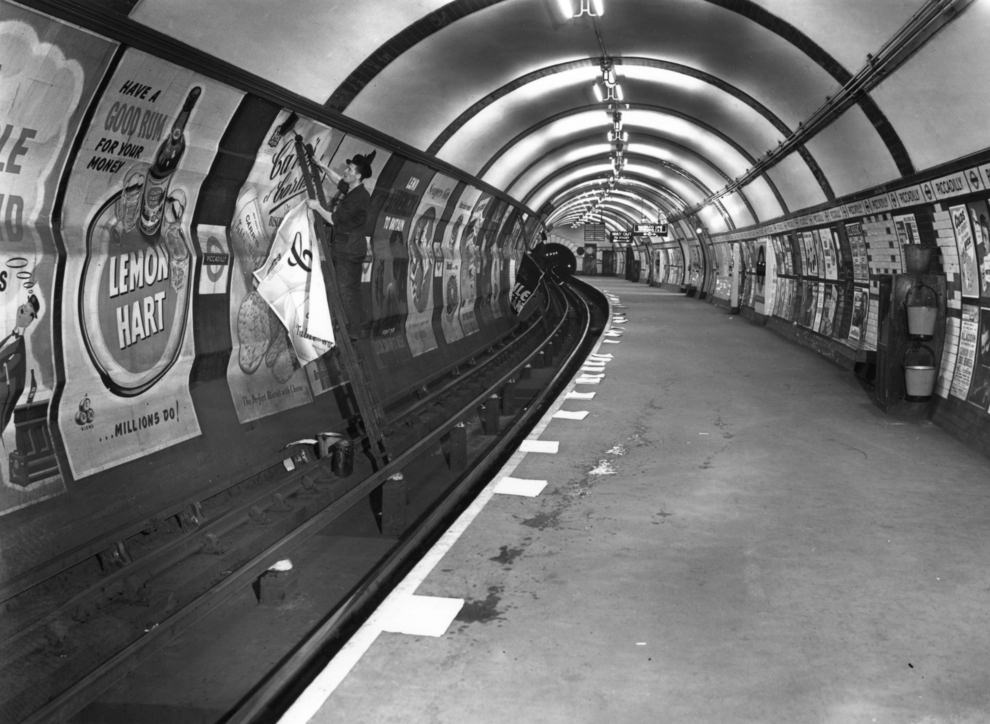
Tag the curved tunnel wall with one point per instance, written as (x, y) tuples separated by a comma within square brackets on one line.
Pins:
[(825, 278), (143, 369)]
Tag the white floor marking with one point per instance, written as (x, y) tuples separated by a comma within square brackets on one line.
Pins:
[(585, 380), (540, 446), (520, 486), (421, 615), (568, 415), (580, 395)]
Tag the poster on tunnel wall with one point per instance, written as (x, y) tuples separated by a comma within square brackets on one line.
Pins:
[(968, 268), (390, 262), (263, 372), (469, 248), (490, 269), (48, 75), (980, 218), (450, 318), (126, 299), (969, 330), (422, 264), (860, 311)]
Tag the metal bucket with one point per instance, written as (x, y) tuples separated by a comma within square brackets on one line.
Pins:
[(919, 381), (921, 321)]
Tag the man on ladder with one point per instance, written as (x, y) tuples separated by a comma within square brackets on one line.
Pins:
[(348, 215)]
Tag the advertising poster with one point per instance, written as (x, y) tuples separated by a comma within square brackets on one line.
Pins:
[(126, 300), (809, 303), (968, 268), (470, 254), (264, 375), (491, 266), (830, 295), (980, 217), (450, 319), (423, 263), (390, 261), (291, 283), (979, 387), (809, 243), (45, 87), (857, 325), (830, 254), (969, 330)]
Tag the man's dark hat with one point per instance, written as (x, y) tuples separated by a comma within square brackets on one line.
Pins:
[(363, 163)]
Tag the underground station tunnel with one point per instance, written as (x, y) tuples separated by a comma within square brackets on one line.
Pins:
[(494, 361)]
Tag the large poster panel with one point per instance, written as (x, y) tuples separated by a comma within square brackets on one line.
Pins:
[(390, 264), (469, 248), (263, 373), (48, 75), (126, 304), (422, 262), (450, 318), (490, 283)]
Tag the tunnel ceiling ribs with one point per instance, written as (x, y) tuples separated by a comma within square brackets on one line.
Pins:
[(682, 150), (678, 68), (793, 142)]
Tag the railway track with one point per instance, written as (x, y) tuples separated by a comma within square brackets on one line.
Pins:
[(70, 637)]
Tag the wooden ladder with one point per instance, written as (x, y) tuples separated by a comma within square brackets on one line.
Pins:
[(369, 409)]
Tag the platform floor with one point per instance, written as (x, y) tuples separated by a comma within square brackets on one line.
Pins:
[(734, 533)]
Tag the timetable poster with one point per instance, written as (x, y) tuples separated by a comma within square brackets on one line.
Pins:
[(969, 330), (857, 246), (49, 73), (127, 296)]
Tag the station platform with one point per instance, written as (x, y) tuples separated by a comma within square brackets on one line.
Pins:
[(732, 532)]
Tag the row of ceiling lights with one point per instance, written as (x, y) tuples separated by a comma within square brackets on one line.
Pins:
[(607, 90)]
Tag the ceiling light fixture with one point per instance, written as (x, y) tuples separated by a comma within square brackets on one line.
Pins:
[(591, 8)]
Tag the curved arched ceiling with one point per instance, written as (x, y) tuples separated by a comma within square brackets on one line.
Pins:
[(737, 111)]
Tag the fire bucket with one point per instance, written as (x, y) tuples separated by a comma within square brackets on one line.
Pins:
[(919, 373), (922, 311), (917, 258)]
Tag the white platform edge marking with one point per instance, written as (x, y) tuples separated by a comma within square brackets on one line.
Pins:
[(540, 446), (421, 615), (580, 395), (570, 415), (520, 486), (320, 689)]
